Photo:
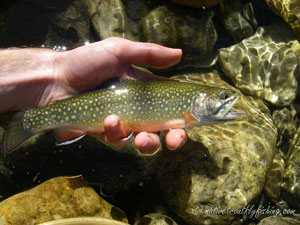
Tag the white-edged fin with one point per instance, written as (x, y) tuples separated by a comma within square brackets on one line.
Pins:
[(128, 137), (70, 141), (66, 137)]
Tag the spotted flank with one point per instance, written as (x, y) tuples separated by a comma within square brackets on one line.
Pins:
[(141, 105)]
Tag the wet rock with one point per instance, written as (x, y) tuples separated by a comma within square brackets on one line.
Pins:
[(69, 23), (197, 3), (85, 221), (221, 166), (234, 21), (160, 27), (289, 10), (173, 28), (285, 121), (281, 220), (248, 13), (190, 29), (275, 177), (92, 6), (137, 9), (264, 65), (109, 19), (57, 198), (290, 185), (155, 219)]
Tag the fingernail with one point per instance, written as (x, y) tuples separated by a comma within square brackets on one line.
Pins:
[(180, 144), (114, 122), (147, 142)]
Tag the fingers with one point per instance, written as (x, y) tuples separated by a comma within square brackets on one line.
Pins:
[(113, 132), (145, 54), (176, 138), (99, 61), (149, 54), (147, 143), (113, 129)]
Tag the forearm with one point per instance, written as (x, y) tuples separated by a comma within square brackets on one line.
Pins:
[(26, 77)]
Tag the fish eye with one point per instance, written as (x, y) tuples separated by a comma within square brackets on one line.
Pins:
[(224, 94)]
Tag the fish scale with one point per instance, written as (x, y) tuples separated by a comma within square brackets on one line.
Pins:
[(141, 106)]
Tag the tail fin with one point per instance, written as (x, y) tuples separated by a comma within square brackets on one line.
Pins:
[(13, 135)]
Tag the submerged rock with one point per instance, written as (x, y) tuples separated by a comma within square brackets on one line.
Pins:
[(155, 219), (281, 220), (109, 19), (222, 166), (248, 13), (289, 10), (291, 181), (235, 22), (69, 23), (264, 65), (190, 29), (160, 27), (285, 121), (197, 3), (85, 221), (195, 33), (57, 198), (274, 177)]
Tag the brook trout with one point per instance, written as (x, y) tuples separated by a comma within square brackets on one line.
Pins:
[(141, 106)]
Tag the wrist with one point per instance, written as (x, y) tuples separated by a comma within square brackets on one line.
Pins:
[(27, 77)]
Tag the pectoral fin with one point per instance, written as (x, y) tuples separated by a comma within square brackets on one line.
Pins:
[(189, 119), (67, 136)]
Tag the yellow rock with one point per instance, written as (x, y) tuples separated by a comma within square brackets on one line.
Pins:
[(85, 221), (57, 198), (289, 10)]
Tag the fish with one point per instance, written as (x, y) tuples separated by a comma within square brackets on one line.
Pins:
[(149, 106)]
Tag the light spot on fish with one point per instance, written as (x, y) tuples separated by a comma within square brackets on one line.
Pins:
[(121, 91)]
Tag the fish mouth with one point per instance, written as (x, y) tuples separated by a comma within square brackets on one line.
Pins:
[(224, 113)]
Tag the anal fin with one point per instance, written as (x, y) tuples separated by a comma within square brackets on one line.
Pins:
[(68, 136)]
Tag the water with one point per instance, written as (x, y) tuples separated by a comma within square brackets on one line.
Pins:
[(200, 32)]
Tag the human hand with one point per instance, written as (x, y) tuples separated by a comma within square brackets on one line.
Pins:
[(88, 66), (44, 76)]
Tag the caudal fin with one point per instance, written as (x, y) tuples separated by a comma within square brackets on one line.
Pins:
[(12, 135)]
